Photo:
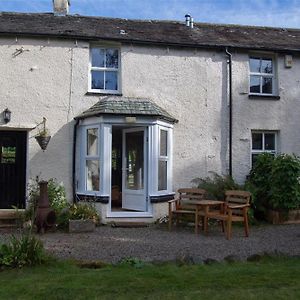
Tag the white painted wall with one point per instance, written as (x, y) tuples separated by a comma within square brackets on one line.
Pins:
[(50, 78), (191, 86), (47, 80), (255, 114)]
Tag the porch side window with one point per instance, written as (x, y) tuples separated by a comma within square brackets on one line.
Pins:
[(92, 167), (104, 70), (163, 160)]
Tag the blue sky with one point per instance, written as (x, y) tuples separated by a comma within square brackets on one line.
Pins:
[(279, 13)]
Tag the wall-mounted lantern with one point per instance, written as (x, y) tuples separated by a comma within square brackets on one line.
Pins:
[(6, 115)]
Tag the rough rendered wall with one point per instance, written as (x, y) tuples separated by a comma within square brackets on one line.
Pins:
[(256, 114), (50, 79), (37, 83), (190, 85)]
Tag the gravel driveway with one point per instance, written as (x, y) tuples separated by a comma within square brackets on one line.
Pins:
[(156, 243)]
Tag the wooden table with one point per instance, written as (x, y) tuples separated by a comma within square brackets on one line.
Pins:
[(202, 210)]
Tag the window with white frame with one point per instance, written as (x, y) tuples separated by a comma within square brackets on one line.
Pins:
[(104, 70), (163, 160), (263, 142), (262, 75), (92, 167)]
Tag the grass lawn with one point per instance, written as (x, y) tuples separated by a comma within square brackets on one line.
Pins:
[(268, 279)]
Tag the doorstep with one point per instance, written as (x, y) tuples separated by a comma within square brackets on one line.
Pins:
[(129, 224)]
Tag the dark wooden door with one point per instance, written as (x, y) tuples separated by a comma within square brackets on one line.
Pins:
[(13, 146)]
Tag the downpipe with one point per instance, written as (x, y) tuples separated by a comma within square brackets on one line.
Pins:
[(229, 62)]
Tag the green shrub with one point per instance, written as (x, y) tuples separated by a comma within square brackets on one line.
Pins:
[(57, 195), (217, 185), (274, 182), (285, 186), (23, 251), (259, 182), (83, 211)]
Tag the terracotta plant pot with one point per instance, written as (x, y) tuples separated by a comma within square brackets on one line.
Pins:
[(43, 141), (284, 217)]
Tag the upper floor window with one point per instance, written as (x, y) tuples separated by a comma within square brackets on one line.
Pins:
[(262, 75), (104, 70), (262, 142)]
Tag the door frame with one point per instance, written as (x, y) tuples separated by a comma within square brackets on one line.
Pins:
[(133, 214), (25, 131), (144, 191)]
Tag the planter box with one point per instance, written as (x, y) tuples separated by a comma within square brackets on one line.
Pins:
[(281, 217), (77, 226)]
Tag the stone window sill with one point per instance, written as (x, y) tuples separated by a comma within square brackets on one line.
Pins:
[(101, 94), (264, 97)]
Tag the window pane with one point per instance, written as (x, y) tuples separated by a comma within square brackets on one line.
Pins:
[(8, 155), (255, 64), (92, 141), (134, 160), (97, 80), (163, 143), (112, 58), (254, 84), (111, 81), (92, 175), (267, 85), (257, 141), (162, 175), (98, 56), (269, 141), (266, 66)]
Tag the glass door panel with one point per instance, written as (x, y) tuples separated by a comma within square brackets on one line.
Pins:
[(134, 165)]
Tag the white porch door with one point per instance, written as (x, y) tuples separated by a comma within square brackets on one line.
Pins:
[(134, 169)]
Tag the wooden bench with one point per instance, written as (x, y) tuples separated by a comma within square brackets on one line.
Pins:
[(10, 217), (235, 209), (181, 206)]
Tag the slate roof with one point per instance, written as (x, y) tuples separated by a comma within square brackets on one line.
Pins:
[(150, 31), (116, 105)]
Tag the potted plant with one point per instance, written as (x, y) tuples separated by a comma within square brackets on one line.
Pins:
[(83, 217), (43, 137)]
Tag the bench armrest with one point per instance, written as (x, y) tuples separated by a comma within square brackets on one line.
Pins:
[(173, 200), (237, 206)]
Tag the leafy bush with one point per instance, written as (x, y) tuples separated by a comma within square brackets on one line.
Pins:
[(57, 195), (83, 211), (217, 185), (274, 182), (259, 182), (23, 251)]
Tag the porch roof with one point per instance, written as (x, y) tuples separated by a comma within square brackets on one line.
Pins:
[(115, 105)]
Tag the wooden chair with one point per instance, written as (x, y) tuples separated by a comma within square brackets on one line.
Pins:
[(183, 206), (235, 209)]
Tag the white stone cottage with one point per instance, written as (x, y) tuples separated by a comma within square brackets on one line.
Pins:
[(137, 109)]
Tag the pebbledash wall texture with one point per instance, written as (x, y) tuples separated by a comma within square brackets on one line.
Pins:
[(48, 77)]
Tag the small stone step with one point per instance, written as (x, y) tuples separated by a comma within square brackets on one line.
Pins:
[(129, 224)]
